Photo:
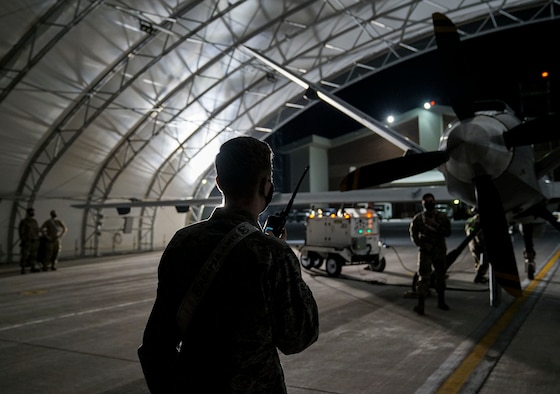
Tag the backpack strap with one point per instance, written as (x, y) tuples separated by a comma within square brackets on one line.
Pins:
[(202, 282)]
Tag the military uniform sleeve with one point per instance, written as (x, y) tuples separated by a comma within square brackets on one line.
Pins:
[(158, 350), (295, 315), (415, 231)]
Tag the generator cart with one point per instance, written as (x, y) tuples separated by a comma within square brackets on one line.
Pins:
[(348, 237)]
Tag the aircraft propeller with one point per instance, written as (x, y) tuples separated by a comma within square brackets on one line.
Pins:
[(492, 216)]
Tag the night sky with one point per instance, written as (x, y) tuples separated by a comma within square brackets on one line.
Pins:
[(498, 63)]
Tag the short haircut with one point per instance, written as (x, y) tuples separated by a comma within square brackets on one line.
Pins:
[(241, 163), (428, 195)]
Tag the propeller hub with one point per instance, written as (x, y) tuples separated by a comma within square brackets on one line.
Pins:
[(476, 147)]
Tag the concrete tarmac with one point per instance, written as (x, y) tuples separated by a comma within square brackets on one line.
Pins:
[(76, 330)]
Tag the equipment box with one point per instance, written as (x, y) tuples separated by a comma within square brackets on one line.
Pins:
[(345, 238)]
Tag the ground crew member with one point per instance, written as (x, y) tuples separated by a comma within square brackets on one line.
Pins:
[(29, 241), (476, 247), (428, 231), (52, 232)]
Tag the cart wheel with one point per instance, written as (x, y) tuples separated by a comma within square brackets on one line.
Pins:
[(378, 265), (333, 266), (316, 259), (306, 261)]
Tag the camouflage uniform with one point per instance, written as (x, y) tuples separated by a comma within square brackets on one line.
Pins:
[(432, 251), (52, 232), (476, 247), (257, 303), (29, 242)]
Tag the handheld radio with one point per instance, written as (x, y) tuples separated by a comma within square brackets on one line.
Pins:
[(276, 223)]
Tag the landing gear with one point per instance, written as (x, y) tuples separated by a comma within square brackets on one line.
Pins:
[(530, 265)]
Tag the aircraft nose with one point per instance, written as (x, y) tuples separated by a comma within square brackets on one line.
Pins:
[(476, 147)]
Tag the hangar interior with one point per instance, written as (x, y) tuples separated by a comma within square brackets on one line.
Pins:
[(104, 101)]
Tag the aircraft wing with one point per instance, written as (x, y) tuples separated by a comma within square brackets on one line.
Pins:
[(392, 194), (389, 194), (315, 91), (210, 201)]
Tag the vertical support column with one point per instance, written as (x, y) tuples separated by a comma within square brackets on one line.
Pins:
[(430, 127), (312, 151)]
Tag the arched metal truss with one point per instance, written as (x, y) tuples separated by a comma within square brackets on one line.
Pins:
[(175, 84)]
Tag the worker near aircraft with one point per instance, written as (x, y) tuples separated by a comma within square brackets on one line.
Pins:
[(225, 339), (52, 232), (428, 231), (476, 247), (29, 241)]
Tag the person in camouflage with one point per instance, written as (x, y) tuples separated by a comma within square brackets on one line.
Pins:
[(476, 248), (257, 303), (29, 241), (52, 232), (428, 231)]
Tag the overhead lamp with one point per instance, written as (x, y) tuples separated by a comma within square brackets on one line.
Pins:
[(367, 67), (410, 48), (297, 69), (334, 48), (123, 210), (296, 24), (429, 104), (382, 25)]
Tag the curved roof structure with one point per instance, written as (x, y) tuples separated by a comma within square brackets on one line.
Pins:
[(102, 100)]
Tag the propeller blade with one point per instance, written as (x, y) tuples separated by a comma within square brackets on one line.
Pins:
[(392, 169), (497, 239), (449, 48), (545, 129)]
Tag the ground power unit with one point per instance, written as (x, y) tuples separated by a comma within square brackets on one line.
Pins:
[(346, 237)]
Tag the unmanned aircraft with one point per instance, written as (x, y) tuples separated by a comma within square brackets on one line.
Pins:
[(486, 157)]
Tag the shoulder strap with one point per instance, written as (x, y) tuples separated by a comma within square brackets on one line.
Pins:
[(207, 273)]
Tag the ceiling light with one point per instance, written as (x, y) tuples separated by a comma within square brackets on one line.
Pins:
[(376, 23), (296, 24), (412, 49), (294, 105), (329, 46)]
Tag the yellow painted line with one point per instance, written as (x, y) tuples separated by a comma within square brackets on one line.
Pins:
[(458, 378)]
